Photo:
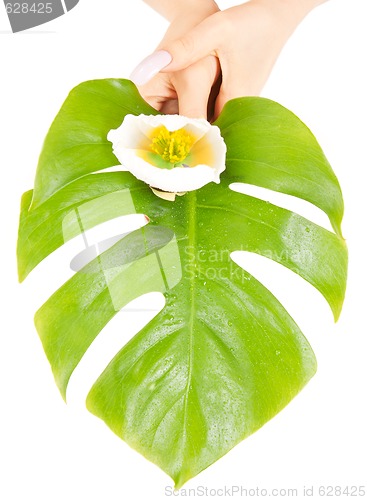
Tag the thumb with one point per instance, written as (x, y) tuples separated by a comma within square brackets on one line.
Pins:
[(182, 52), (197, 43)]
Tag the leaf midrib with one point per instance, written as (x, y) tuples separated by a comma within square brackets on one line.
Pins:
[(191, 213)]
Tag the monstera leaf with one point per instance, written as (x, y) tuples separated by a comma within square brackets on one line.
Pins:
[(223, 356)]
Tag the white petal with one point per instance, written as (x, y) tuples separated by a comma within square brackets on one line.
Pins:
[(197, 127), (135, 132), (128, 135)]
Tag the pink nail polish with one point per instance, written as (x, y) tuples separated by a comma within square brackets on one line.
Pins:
[(150, 66)]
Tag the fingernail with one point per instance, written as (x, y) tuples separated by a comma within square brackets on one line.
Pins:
[(150, 66)]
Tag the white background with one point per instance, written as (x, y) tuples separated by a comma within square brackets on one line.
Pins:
[(53, 451)]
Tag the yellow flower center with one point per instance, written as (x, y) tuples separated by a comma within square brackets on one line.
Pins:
[(174, 146)]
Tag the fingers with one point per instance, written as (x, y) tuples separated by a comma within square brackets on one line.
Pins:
[(160, 94), (169, 107), (193, 86), (150, 67), (179, 54), (185, 92), (201, 41)]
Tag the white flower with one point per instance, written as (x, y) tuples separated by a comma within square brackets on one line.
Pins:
[(171, 153)]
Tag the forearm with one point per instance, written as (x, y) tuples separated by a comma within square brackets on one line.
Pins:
[(285, 15), (292, 10), (170, 9), (305, 5)]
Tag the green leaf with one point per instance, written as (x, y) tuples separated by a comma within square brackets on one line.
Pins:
[(270, 147), (76, 143), (256, 226), (44, 229), (223, 356)]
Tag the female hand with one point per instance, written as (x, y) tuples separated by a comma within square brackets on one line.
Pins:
[(246, 40), (185, 91)]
